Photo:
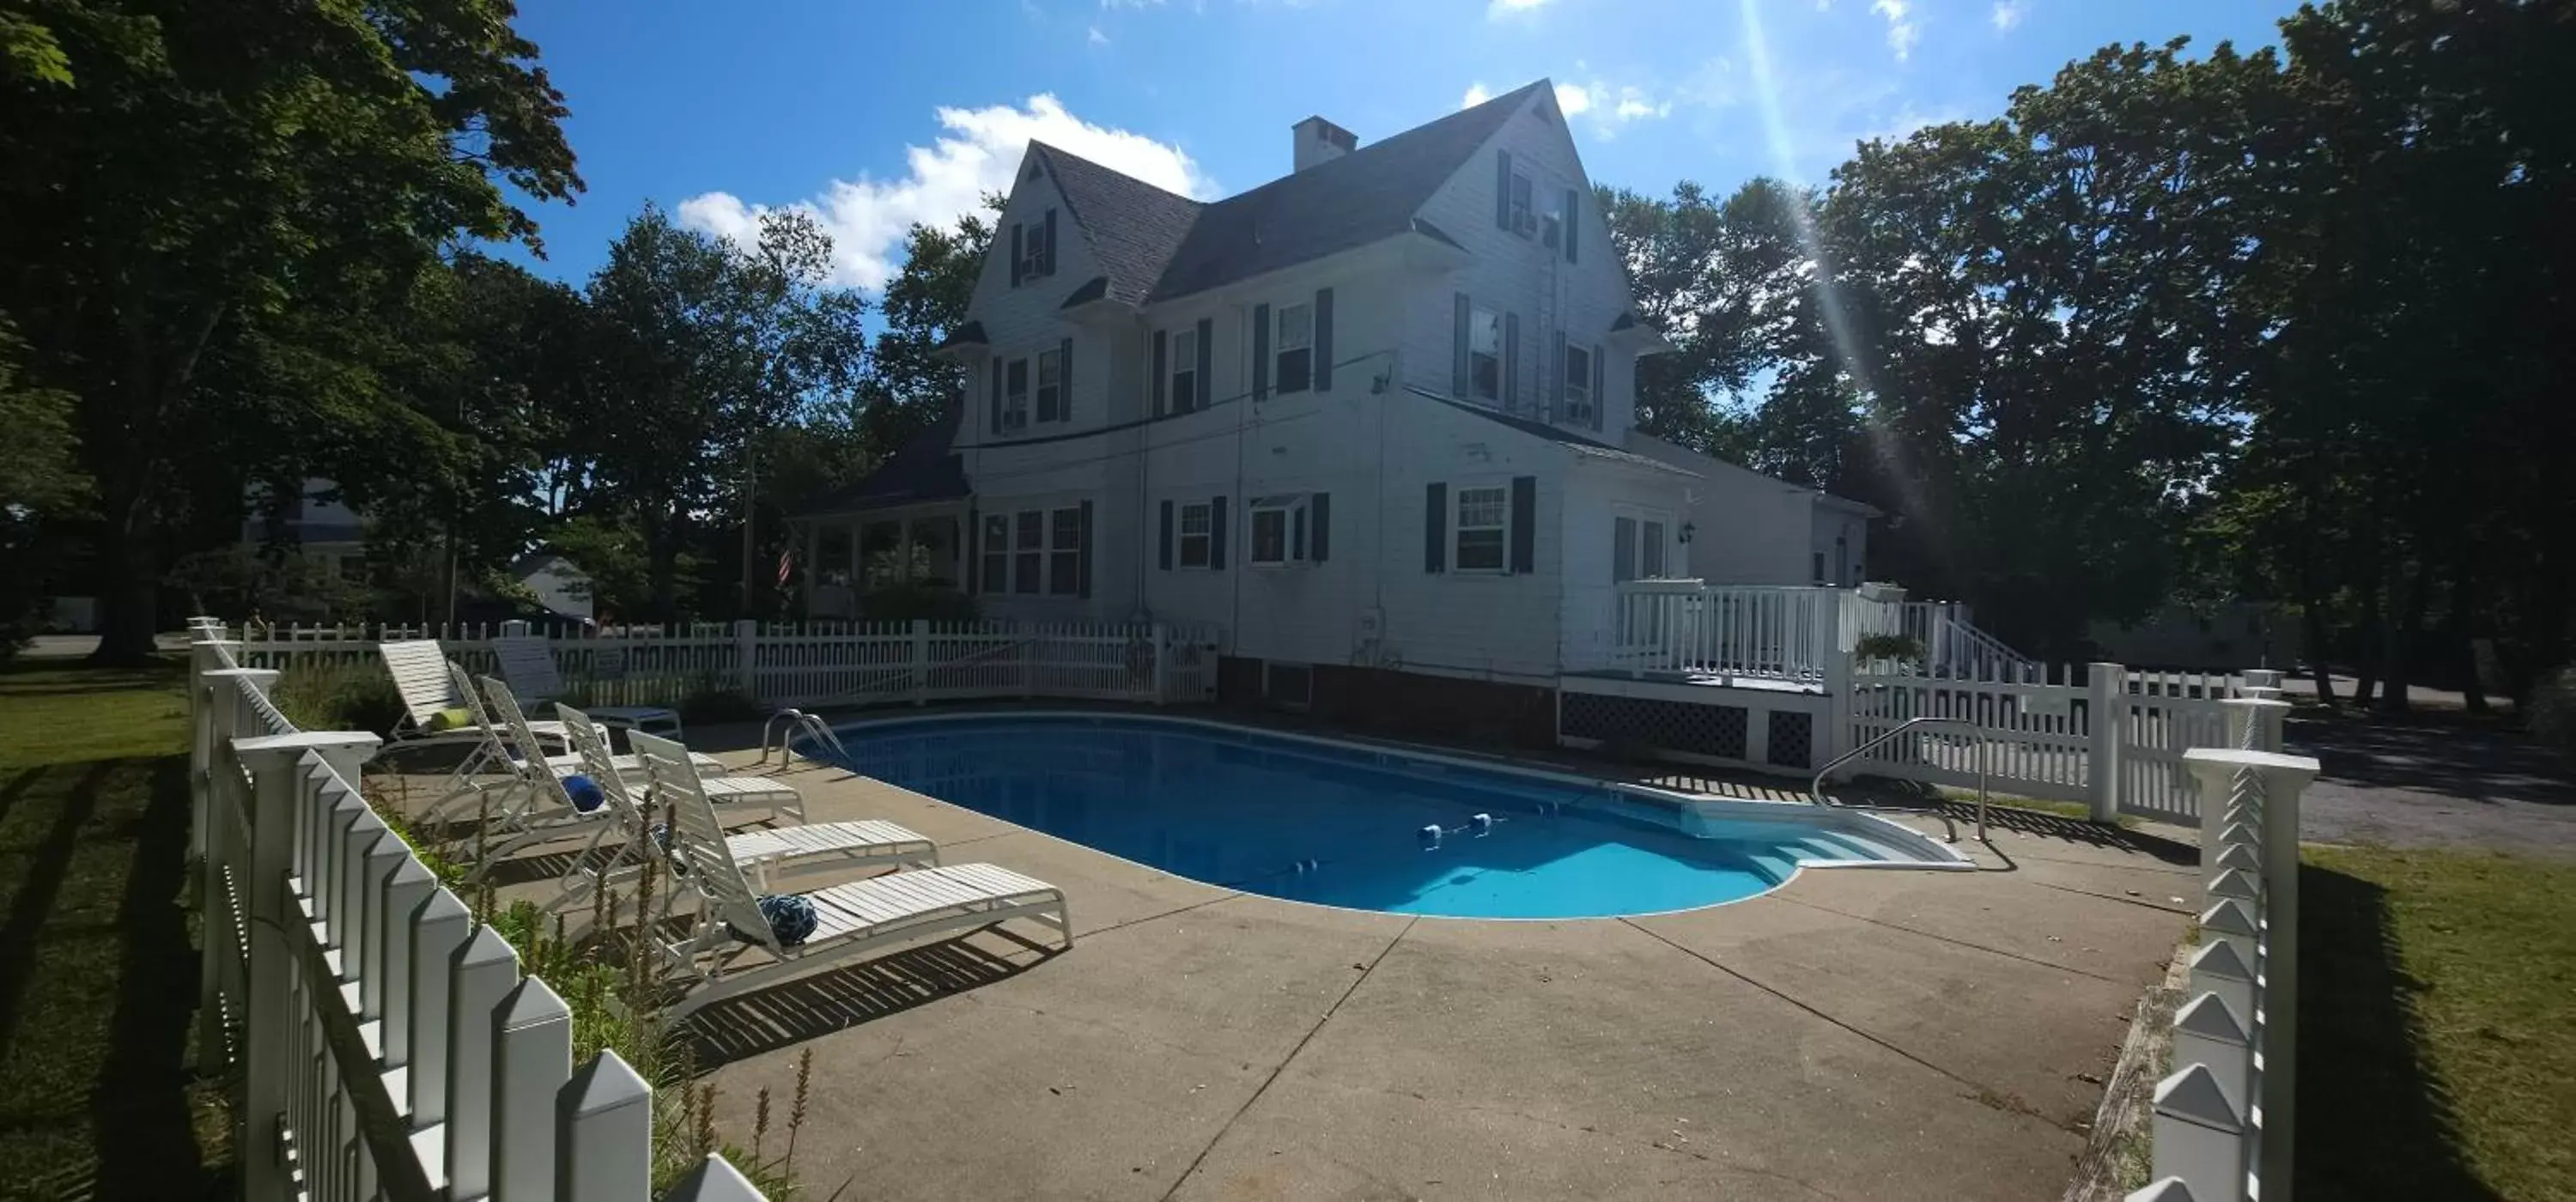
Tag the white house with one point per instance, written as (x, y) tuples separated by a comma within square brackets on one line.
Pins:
[(1373, 420)]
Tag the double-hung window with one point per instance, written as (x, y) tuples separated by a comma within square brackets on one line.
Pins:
[(1278, 530), (1015, 395), (1050, 386), (1064, 552), (997, 553), (1197, 524), (1483, 529), (1185, 371), (1522, 222), (1578, 384), (1485, 355), (1028, 548), (1296, 353)]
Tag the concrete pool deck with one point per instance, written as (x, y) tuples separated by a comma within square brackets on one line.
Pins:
[(1853, 1034)]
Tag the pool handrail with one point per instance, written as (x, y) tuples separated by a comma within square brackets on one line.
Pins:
[(1816, 787)]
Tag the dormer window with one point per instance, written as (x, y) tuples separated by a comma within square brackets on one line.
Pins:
[(1032, 249)]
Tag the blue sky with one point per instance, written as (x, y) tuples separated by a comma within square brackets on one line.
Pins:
[(876, 115)]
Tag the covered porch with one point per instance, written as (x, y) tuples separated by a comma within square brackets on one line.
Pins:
[(903, 527)]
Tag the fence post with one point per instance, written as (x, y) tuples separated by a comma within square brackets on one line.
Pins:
[(2199, 1136), (2107, 716), (2254, 723), (921, 661), (1162, 664), (714, 1180), (604, 1134), (483, 973), (205, 655), (2271, 783), (746, 649), (439, 928), (278, 781), (531, 1060), (1839, 625)]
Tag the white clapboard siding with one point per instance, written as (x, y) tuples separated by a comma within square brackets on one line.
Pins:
[(388, 1048)]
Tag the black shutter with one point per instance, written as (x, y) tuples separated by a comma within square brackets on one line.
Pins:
[(1216, 534), (1511, 362), (1503, 188), (1556, 374), (997, 394), (1015, 253), (1599, 373), (1573, 208), (974, 549), (1321, 504), (1167, 536), (1046, 255), (1162, 375), (1458, 359), (1260, 352), (1435, 527), (1085, 535), (1063, 378), (1203, 384), (1323, 340), (1524, 523)]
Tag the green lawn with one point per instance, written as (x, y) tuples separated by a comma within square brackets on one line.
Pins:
[(2438, 1026), (97, 963)]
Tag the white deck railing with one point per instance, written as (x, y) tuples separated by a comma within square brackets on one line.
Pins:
[(816, 664), (2224, 1116), (1790, 633), (388, 1048)]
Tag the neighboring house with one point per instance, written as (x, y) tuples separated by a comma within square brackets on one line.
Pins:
[(1376, 414), (328, 534), (1748, 528), (559, 584)]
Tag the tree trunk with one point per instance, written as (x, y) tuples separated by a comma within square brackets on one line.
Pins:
[(128, 590), (2320, 653), (2407, 608), (140, 398), (2367, 646), (2463, 628)]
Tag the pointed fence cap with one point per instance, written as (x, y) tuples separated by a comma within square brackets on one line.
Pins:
[(2193, 1095), (2171, 1189), (714, 1180), (2220, 960), (486, 947), (605, 1083), (440, 907), (2240, 856), (2233, 883), (2209, 1017), (532, 1003), (2228, 917)]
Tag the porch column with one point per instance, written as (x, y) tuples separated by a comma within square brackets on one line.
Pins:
[(903, 551), (813, 562)]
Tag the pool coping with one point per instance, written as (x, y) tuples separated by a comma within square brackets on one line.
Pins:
[(1941, 858)]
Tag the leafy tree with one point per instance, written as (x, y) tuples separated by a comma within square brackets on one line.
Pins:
[(925, 302), (208, 181)]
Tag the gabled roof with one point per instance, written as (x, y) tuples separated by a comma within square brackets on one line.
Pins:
[(922, 469), (1132, 226), (1568, 439), (1155, 246)]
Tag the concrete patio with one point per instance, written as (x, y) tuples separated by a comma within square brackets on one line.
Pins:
[(1853, 1034)]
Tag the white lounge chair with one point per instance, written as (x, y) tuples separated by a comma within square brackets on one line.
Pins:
[(528, 663), (852, 918), (536, 808), (765, 853), (502, 754), (420, 671)]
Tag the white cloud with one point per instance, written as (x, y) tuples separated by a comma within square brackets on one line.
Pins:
[(1633, 106), (1476, 95), (1131, 3), (1098, 38), (2009, 13), (1902, 30), (977, 153), (1573, 99), (1505, 8)]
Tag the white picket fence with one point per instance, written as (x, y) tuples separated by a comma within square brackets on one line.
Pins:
[(2039, 734), (819, 664), (388, 1048), (2224, 1116)]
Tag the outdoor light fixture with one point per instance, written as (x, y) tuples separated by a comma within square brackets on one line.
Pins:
[(1687, 530)]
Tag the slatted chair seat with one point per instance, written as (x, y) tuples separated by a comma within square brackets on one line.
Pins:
[(528, 663), (763, 852), (850, 919)]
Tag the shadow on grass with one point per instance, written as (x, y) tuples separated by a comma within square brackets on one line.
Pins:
[(105, 1005), (802, 1009), (2373, 1120)]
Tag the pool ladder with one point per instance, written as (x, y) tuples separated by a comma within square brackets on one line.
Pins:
[(798, 722), (1816, 787)]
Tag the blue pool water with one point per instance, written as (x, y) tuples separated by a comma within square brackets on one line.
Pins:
[(1330, 823)]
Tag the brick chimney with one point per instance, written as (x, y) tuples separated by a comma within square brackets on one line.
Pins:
[(1320, 141)]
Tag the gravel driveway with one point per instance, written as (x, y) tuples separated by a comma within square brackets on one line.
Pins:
[(2434, 786)]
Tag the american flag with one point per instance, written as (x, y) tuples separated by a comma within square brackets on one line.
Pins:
[(786, 565)]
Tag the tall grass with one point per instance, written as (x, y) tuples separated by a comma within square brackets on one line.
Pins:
[(330, 695)]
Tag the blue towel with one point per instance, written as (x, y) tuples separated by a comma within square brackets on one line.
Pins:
[(584, 792), (791, 918)]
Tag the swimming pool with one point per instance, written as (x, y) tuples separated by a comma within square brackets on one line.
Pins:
[(1343, 824)]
